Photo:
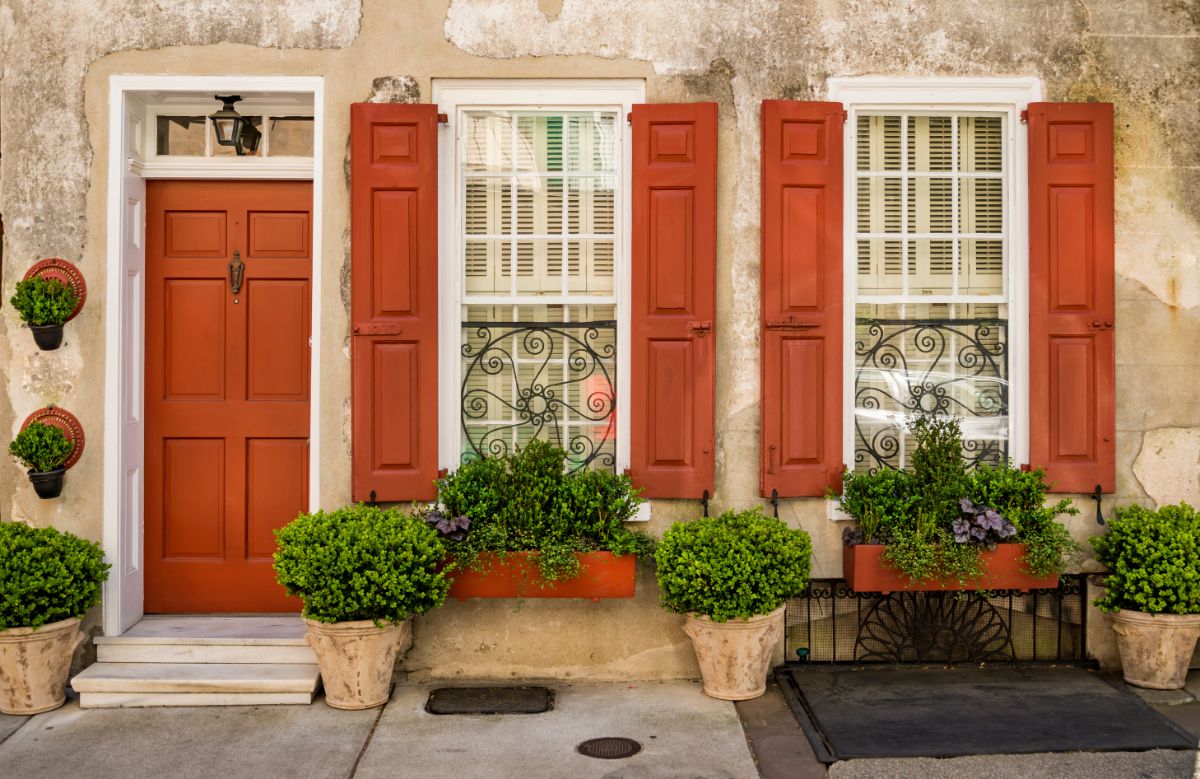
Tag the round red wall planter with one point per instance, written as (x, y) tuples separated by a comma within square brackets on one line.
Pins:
[(65, 421), (58, 269)]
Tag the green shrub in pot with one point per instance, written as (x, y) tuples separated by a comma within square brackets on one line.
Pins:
[(44, 305), (362, 572), (48, 581), (1153, 586), (730, 575), (43, 449)]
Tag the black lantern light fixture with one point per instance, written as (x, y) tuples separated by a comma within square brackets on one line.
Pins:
[(232, 129)]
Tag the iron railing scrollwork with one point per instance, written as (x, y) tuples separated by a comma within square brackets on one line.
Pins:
[(906, 367), (566, 392)]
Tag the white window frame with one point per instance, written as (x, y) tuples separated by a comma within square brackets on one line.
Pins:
[(456, 96), (1008, 96)]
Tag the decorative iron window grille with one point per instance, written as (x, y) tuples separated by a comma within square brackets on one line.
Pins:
[(830, 623), (906, 367), (550, 380)]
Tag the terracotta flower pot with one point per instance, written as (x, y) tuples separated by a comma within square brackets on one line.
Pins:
[(47, 337), (35, 664), (735, 656), (357, 660), (47, 484), (1156, 648)]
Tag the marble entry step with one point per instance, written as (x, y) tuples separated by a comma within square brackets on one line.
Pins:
[(205, 639), (194, 684)]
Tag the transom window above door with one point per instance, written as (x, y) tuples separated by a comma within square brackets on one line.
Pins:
[(931, 297), (540, 248)]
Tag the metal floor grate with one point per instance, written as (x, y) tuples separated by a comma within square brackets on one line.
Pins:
[(830, 623)]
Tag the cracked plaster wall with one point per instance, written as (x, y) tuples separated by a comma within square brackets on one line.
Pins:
[(1143, 55)]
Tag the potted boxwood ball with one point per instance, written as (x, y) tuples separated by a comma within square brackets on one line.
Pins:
[(48, 581), (43, 449), (1154, 589), (362, 573), (731, 575), (44, 305)]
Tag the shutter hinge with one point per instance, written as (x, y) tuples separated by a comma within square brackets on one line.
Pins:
[(845, 115), (1024, 114), (443, 118), (1026, 467), (629, 118), (701, 329), (442, 472)]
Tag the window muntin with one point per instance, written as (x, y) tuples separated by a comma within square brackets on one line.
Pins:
[(931, 296), (189, 135), (538, 194)]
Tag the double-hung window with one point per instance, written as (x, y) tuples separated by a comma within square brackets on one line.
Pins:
[(535, 272), (935, 279)]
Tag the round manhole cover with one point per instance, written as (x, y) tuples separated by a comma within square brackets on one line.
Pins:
[(609, 748)]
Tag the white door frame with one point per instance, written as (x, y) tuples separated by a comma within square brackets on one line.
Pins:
[(124, 379)]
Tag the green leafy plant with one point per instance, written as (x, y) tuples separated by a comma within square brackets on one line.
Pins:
[(362, 562), (41, 447), (526, 501), (46, 575), (42, 302), (936, 518), (736, 565), (1154, 560)]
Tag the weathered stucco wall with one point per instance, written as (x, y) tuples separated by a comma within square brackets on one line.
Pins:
[(1143, 55)]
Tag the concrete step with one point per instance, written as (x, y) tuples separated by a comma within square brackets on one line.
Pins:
[(195, 684), (186, 639)]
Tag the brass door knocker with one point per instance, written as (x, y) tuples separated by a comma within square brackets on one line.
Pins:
[(237, 269)]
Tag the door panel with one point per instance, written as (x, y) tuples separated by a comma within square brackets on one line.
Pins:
[(227, 389)]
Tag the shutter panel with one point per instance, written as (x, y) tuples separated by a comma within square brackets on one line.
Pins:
[(1072, 375), (674, 299), (393, 300), (801, 337)]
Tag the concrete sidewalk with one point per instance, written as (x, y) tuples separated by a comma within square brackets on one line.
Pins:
[(683, 734)]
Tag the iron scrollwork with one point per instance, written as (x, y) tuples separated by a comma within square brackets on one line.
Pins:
[(908, 627), (932, 366), (583, 353)]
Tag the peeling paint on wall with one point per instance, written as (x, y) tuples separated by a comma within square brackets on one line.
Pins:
[(1168, 466)]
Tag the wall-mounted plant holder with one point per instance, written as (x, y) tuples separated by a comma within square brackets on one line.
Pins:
[(49, 337), (49, 483)]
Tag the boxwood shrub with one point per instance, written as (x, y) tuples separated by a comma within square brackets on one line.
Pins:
[(41, 447), (361, 562), (1154, 560), (46, 575), (43, 302), (736, 565)]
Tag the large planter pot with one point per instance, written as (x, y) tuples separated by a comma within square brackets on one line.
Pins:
[(35, 664), (1156, 648), (47, 484), (47, 337), (735, 656), (516, 575), (357, 660), (865, 570)]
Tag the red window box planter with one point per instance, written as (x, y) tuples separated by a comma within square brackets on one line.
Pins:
[(865, 570), (516, 575)]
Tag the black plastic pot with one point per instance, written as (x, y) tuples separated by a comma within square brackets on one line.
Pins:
[(47, 337), (47, 484)]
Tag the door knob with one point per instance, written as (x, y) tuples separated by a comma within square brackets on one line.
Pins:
[(237, 269)]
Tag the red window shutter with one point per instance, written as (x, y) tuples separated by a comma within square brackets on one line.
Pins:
[(801, 291), (1072, 375), (393, 300), (672, 329)]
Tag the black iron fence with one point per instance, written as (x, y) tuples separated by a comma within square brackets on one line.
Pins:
[(830, 623)]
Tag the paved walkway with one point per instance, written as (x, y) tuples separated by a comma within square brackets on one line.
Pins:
[(683, 734)]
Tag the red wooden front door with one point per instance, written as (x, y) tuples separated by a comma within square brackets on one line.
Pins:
[(227, 389)]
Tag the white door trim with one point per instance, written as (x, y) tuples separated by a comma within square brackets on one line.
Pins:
[(124, 357)]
